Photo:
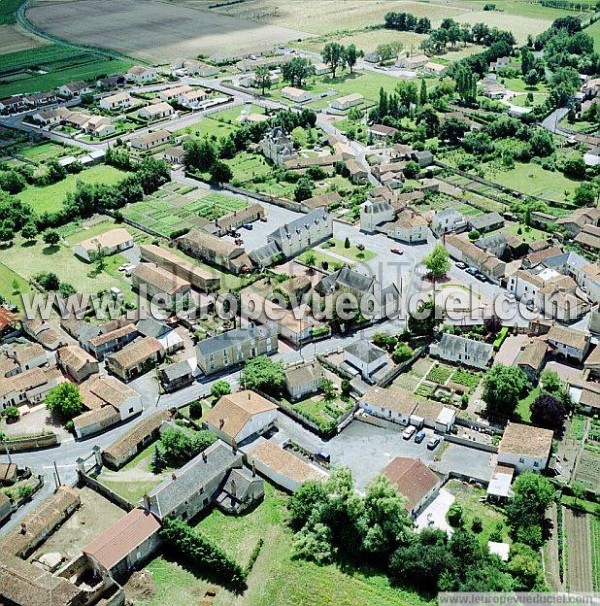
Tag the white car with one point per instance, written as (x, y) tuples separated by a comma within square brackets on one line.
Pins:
[(408, 433)]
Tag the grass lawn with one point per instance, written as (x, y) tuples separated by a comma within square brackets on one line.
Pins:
[(518, 86), (132, 491), (533, 180), (521, 100), (8, 281), (45, 151), (468, 496), (276, 578), (523, 407), (210, 126), (528, 234), (246, 166), (320, 257), (50, 198), (594, 31), (352, 253)]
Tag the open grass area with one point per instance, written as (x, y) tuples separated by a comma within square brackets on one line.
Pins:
[(352, 252), (207, 126), (12, 285), (533, 180), (50, 198), (595, 548), (518, 86), (594, 31), (132, 490), (332, 264), (525, 233), (523, 407), (468, 497)]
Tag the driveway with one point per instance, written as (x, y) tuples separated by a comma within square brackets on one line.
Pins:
[(434, 515)]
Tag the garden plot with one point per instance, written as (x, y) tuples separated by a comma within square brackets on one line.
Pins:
[(577, 547), (175, 208)]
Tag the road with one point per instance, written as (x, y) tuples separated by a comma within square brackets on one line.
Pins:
[(552, 122)]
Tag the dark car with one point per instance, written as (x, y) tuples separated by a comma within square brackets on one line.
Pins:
[(420, 437), (322, 457), (433, 442), (471, 271), (248, 226)]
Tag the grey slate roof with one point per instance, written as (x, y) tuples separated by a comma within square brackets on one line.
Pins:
[(176, 371), (190, 478), (455, 344), (297, 224), (491, 241), (264, 255), (365, 350), (236, 336), (149, 327), (345, 277), (485, 221)]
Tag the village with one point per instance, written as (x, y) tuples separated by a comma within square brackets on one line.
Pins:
[(254, 302)]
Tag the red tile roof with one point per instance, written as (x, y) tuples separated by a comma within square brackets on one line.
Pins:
[(6, 318), (122, 538), (412, 478)]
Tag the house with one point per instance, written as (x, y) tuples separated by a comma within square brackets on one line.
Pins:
[(195, 486), (304, 232), (108, 392), (569, 343), (198, 277), (214, 250), (174, 377), (174, 155), (486, 222), (136, 359), (543, 220), (29, 387), (464, 351), (126, 446), (75, 89), (125, 545), (278, 146), (9, 474), (578, 219), (303, 379), (170, 340), (301, 164), (500, 63), (235, 220), (241, 416), (141, 75), (448, 221), (13, 104), (109, 243), (531, 358), (423, 158), (235, 347), (348, 101), (409, 227), (42, 332), (494, 244), (491, 87), (242, 489), (198, 68), (366, 358), (76, 120), (375, 214), (193, 98), (325, 202), (169, 94), (107, 343), (437, 69), (95, 421), (413, 480), (155, 282), (392, 404), (461, 249), (357, 173), (281, 466), (586, 393), (50, 117), (19, 357), (150, 140), (6, 509), (76, 362), (524, 447), (99, 126), (156, 111), (588, 238), (412, 62), (499, 489), (117, 102), (380, 131), (297, 95), (115, 81)]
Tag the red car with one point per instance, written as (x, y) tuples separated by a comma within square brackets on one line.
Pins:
[(397, 251)]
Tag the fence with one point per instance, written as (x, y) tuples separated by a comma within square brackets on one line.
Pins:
[(283, 202), (470, 443), (32, 442), (106, 492)]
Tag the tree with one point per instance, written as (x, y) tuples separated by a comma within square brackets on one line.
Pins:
[(263, 374), (334, 55), (48, 281), (351, 56), (196, 409), (455, 515), (220, 172), (402, 353), (65, 401), (12, 414), (541, 143), (524, 566), (262, 78), (200, 441), (220, 388), (577, 489), (548, 412), (466, 83), (474, 235), (176, 446), (297, 71), (423, 96), (502, 388), (159, 463), (227, 148), (328, 389), (527, 61), (51, 237), (532, 77), (303, 190), (437, 262), (200, 154), (426, 319), (585, 195), (429, 119), (411, 170)]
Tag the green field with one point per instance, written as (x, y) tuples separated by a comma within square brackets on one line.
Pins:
[(7, 11), (595, 545), (594, 31), (168, 210), (12, 285), (50, 198), (207, 126), (351, 253), (523, 410)]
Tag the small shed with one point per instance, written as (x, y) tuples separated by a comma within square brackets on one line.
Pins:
[(445, 420)]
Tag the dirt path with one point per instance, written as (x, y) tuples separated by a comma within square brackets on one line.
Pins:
[(577, 543), (551, 562)]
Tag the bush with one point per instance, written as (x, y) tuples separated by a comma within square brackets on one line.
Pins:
[(199, 550), (12, 414), (196, 409), (477, 525), (455, 515)]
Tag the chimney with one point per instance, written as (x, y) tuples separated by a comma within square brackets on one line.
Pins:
[(253, 470), (173, 476), (204, 457), (23, 528), (233, 488), (146, 500), (234, 446), (221, 423), (249, 395)]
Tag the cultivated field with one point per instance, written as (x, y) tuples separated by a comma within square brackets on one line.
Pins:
[(155, 31), (14, 39), (520, 26), (579, 561)]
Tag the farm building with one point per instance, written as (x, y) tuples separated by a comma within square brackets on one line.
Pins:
[(108, 243)]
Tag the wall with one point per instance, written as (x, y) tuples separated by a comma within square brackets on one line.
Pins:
[(470, 443), (112, 496), (33, 442)]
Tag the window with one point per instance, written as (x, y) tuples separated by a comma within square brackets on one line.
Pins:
[(521, 460), (536, 464), (131, 410)]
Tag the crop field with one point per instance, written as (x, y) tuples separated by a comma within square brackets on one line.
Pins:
[(172, 209), (594, 31), (519, 25), (177, 31), (595, 541), (50, 197), (579, 557), (14, 39)]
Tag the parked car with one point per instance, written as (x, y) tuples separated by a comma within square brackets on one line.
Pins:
[(420, 436), (461, 265), (433, 442), (322, 457), (408, 433), (248, 226), (397, 251), (471, 271), (479, 276)]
